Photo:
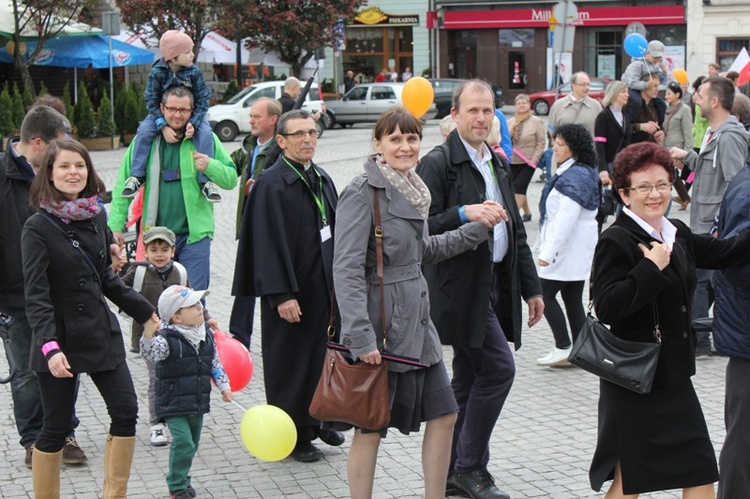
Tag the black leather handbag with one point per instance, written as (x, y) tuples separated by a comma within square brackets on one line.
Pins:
[(629, 364)]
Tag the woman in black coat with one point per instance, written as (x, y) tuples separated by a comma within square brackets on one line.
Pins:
[(612, 128), (67, 276), (644, 275)]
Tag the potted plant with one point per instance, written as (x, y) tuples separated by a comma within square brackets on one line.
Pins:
[(86, 123), (66, 100), (131, 114)]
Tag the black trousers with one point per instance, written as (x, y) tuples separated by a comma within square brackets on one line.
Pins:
[(572, 295), (58, 400)]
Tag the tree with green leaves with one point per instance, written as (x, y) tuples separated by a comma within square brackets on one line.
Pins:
[(28, 97), (67, 101), (40, 20), (83, 114), (132, 117), (105, 123), (7, 125), (294, 29)]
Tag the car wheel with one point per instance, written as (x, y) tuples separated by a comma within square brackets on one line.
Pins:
[(331, 121), (321, 127), (541, 107), (327, 120), (226, 130)]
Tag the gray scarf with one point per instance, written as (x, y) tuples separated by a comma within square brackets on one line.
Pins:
[(408, 184)]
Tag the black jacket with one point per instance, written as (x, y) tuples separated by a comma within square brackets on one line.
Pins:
[(460, 287), (287, 102), (65, 299), (630, 292), (183, 380), (610, 137), (14, 211)]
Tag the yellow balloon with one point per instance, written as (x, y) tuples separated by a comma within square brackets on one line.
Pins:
[(417, 96), (268, 432), (680, 76)]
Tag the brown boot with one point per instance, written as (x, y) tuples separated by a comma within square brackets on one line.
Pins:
[(118, 455), (46, 471)]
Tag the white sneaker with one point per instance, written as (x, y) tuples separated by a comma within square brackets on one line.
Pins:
[(556, 358), (159, 435)]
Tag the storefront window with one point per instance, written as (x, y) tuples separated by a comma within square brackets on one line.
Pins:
[(604, 57), (728, 49), (370, 49)]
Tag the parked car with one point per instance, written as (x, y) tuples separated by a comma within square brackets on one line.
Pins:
[(366, 102), (541, 102), (233, 117), (443, 89)]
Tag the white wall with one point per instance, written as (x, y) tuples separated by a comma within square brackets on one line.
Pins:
[(706, 23)]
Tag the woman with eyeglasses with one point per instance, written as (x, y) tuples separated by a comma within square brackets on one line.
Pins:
[(570, 201), (644, 275), (678, 132)]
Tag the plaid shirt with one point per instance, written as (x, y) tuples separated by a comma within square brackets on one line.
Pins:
[(162, 78)]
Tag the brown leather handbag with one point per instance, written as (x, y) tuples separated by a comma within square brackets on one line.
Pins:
[(355, 393)]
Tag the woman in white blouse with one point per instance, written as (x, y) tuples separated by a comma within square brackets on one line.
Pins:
[(568, 235)]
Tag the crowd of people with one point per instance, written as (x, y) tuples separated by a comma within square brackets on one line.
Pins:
[(456, 272)]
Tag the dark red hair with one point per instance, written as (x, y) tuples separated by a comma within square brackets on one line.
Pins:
[(637, 157)]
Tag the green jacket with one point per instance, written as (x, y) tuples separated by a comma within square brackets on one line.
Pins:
[(241, 158), (200, 212)]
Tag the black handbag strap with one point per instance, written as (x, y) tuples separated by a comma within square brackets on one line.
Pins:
[(657, 331), (76, 245)]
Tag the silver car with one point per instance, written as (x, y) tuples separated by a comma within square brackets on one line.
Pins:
[(366, 102)]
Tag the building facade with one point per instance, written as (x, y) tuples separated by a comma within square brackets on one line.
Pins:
[(717, 32)]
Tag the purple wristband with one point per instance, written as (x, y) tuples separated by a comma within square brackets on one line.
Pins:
[(49, 346)]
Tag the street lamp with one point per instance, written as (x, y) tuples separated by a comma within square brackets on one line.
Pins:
[(111, 26)]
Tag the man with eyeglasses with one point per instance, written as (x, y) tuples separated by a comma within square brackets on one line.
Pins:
[(18, 167), (172, 196), (576, 107), (285, 257), (722, 154)]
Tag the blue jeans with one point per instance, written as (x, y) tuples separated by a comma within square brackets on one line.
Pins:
[(196, 258), (24, 387), (203, 140)]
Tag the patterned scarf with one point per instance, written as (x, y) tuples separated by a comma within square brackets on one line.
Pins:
[(67, 211), (194, 334), (517, 128), (408, 184)]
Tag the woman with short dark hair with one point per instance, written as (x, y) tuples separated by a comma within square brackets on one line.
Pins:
[(643, 277), (568, 208)]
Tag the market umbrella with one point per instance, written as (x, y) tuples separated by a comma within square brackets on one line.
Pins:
[(83, 52)]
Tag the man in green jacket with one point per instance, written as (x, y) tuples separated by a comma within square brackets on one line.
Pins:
[(172, 197)]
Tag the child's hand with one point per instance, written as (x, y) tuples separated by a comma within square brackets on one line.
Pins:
[(170, 135), (189, 131), (227, 395), (151, 326)]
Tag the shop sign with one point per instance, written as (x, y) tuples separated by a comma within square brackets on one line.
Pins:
[(373, 16), (540, 18)]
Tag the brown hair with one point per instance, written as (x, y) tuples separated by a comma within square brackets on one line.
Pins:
[(478, 85), (396, 117), (55, 103), (42, 188)]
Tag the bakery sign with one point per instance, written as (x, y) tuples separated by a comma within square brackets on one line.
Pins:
[(373, 16)]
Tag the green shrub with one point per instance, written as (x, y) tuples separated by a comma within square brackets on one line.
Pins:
[(7, 125), (83, 115), (19, 110), (28, 97), (131, 118), (121, 95), (232, 89), (106, 125), (66, 100)]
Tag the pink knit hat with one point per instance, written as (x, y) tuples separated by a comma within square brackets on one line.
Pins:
[(174, 43)]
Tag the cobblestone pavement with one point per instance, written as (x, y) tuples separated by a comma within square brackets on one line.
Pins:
[(541, 447)]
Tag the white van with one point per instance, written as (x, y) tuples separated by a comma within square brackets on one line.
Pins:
[(233, 117)]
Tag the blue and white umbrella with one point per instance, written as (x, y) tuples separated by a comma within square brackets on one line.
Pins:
[(83, 52)]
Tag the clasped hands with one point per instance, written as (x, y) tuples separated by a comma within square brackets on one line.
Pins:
[(489, 213)]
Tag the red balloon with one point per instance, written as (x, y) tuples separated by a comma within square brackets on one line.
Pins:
[(236, 359)]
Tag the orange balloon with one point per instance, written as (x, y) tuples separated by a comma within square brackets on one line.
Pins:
[(417, 96), (680, 76)]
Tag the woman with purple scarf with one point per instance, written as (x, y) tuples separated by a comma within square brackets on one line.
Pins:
[(67, 276)]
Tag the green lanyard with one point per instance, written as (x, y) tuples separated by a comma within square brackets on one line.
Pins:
[(318, 200)]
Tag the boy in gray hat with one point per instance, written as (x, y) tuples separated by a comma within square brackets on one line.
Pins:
[(637, 76), (186, 361), (150, 278)]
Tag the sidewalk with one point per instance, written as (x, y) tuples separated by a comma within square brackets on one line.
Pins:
[(541, 447)]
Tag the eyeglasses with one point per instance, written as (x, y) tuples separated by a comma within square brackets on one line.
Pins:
[(646, 188), (587, 84), (299, 134), (178, 110)]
